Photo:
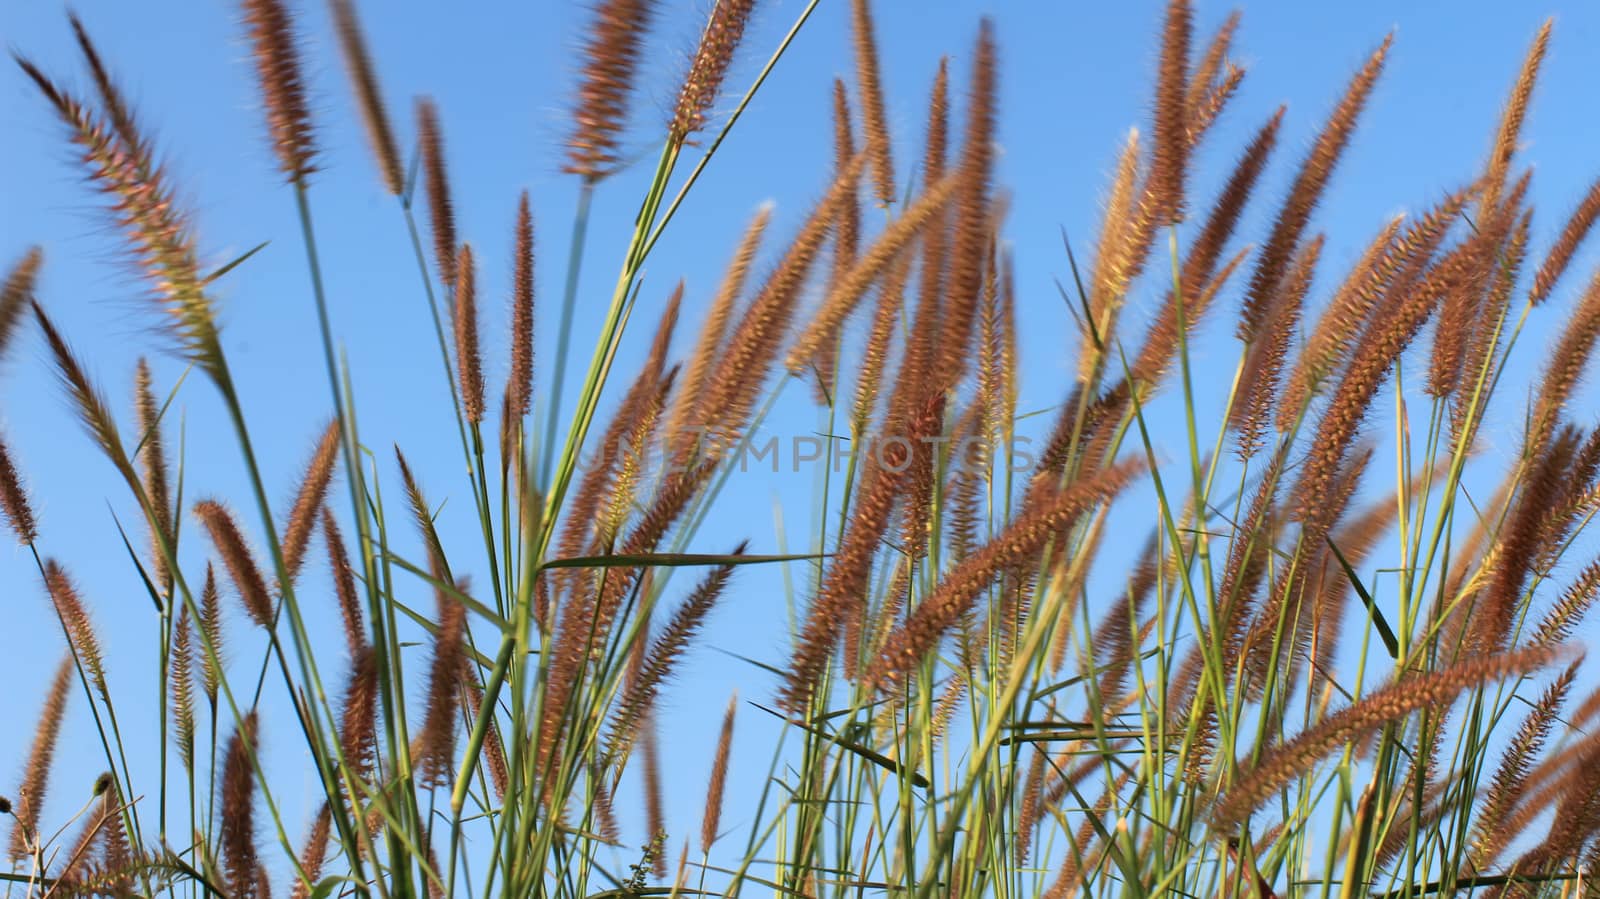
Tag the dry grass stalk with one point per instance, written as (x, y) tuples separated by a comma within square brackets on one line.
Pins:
[(36, 773), (719, 778), (237, 558), (374, 115), (278, 68), (872, 111), (309, 499), (469, 365), (611, 61), (16, 293), (1171, 134), (703, 83), (441, 209), (1307, 189), (1437, 689), (237, 833)]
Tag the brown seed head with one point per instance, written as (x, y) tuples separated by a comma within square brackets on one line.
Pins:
[(469, 366), (358, 62), (1171, 135), (872, 112), (441, 211), (313, 490), (17, 293), (611, 62), (519, 383), (703, 83), (237, 830), (14, 499), (237, 558), (36, 775), (278, 68), (719, 778)]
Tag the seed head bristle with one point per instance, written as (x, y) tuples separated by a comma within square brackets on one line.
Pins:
[(972, 209), (358, 717), (313, 853), (344, 583), (363, 77), (469, 366), (872, 104), (611, 60), (313, 490), (436, 760), (1511, 775), (237, 558), (441, 211), (210, 624), (703, 83), (519, 383), (145, 208), (74, 617), (36, 774), (277, 58), (938, 136), (1281, 764), (1257, 393), (14, 499), (1204, 84), (182, 680), (1516, 111), (153, 460), (1170, 160), (17, 293), (904, 648), (1119, 225), (86, 397), (1561, 253), (237, 834), (686, 415), (1305, 192), (719, 778), (1568, 360)]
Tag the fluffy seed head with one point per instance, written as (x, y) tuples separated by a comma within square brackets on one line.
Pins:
[(441, 211), (703, 83), (611, 62), (277, 58), (237, 558), (17, 293), (358, 62), (469, 366), (14, 499)]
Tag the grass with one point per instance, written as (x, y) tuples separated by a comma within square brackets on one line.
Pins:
[(1252, 714)]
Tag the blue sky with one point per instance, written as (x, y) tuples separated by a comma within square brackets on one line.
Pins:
[(1074, 78)]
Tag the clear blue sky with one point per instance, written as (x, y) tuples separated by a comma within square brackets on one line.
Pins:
[(1074, 76)]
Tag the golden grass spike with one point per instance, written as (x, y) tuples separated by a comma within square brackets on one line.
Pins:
[(662, 658), (1516, 111), (364, 78), (436, 760), (1170, 159), (469, 365), (872, 105), (182, 681), (313, 853), (80, 630), (1203, 82), (1522, 538), (309, 499), (16, 293), (1282, 763), (116, 106), (237, 558), (358, 717), (1118, 234), (971, 212), (611, 60), (1258, 391), (686, 414), (36, 774), (210, 624), (1567, 361), (144, 207), (654, 802), (848, 289), (344, 583), (519, 383), (441, 209), (1510, 779), (277, 58), (703, 83), (1211, 105), (237, 832), (152, 458), (1575, 601), (938, 136), (86, 398), (1307, 189), (1020, 541), (1561, 253), (719, 778), (14, 499)]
